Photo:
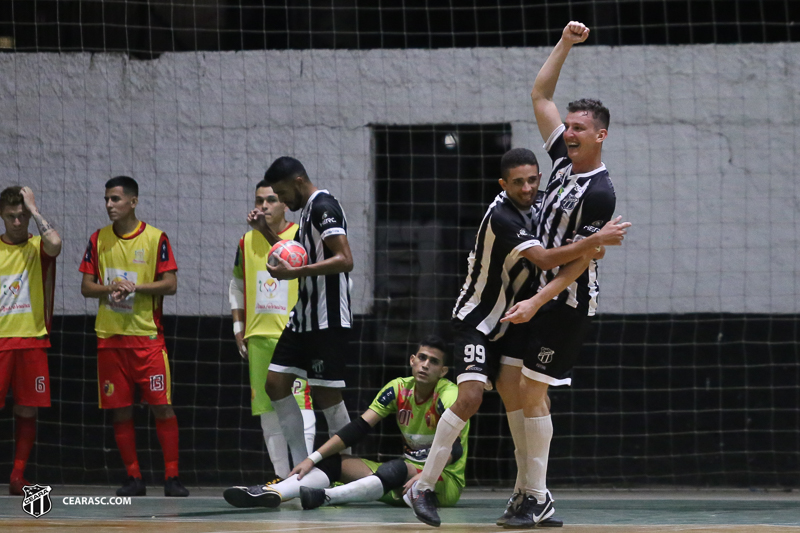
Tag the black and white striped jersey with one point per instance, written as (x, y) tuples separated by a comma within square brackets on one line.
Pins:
[(497, 270), (322, 301), (574, 206)]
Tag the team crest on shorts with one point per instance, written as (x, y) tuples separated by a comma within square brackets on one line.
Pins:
[(108, 388), (546, 355), (36, 501), (318, 365)]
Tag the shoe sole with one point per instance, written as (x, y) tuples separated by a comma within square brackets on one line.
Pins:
[(429, 522), (502, 521), (545, 517), (305, 499), (551, 522), (241, 498)]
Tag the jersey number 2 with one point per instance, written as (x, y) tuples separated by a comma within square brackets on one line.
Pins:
[(474, 352)]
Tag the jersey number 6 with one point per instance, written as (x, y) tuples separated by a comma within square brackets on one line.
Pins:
[(475, 353)]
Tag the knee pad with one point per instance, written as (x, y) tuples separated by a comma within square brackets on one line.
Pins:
[(331, 467), (392, 474)]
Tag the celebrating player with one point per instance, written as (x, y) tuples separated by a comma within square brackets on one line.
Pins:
[(579, 198), (315, 342), (418, 402), (28, 270), (129, 267), (498, 270), (260, 305)]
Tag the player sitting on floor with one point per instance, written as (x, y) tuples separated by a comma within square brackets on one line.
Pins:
[(418, 401)]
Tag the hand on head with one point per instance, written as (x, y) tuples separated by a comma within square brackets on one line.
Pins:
[(28, 199)]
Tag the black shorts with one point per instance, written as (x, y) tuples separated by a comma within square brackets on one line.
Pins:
[(513, 345), (318, 356), (474, 356), (557, 334)]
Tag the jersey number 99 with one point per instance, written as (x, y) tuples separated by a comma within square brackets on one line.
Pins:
[(474, 352)]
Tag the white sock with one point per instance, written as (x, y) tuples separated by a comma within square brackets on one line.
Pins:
[(337, 418), (538, 432), (447, 431), (276, 444), (290, 487), (366, 489), (309, 428), (291, 420), (516, 423)]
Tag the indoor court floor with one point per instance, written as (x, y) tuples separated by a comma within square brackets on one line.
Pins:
[(624, 511)]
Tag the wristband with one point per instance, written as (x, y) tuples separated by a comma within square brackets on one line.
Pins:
[(315, 457), (238, 327)]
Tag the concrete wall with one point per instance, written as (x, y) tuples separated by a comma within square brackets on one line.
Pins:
[(702, 148)]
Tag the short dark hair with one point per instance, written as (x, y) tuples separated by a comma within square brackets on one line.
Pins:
[(11, 196), (262, 183), (599, 112), (128, 184), (434, 341), (516, 157), (284, 168)]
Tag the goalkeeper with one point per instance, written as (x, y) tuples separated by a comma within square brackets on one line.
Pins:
[(417, 402), (260, 305)]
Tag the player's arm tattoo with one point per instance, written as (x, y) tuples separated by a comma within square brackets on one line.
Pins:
[(43, 225)]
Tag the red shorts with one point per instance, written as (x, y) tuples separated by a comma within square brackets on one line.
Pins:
[(27, 374), (120, 370)]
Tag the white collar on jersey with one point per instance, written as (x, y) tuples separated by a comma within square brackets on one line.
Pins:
[(311, 198), (601, 168)]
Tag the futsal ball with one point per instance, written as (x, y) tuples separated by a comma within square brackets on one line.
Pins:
[(290, 251)]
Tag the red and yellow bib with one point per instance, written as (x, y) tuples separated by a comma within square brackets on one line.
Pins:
[(139, 257), (268, 301), (27, 281)]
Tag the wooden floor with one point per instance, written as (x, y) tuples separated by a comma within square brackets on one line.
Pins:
[(601, 511)]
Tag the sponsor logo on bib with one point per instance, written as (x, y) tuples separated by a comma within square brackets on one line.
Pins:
[(15, 294)]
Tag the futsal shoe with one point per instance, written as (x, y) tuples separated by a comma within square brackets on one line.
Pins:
[(255, 496), (133, 486), (174, 487), (424, 504), (313, 498), (511, 508), (15, 486), (551, 522), (531, 513)]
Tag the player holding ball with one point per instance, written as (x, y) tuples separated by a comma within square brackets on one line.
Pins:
[(314, 344)]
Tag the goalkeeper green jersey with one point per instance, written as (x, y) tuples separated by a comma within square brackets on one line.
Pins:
[(417, 422)]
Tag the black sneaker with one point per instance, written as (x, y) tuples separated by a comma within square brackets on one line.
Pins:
[(531, 513), (424, 504), (511, 507), (174, 487), (132, 486), (551, 522), (312, 498), (254, 496)]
